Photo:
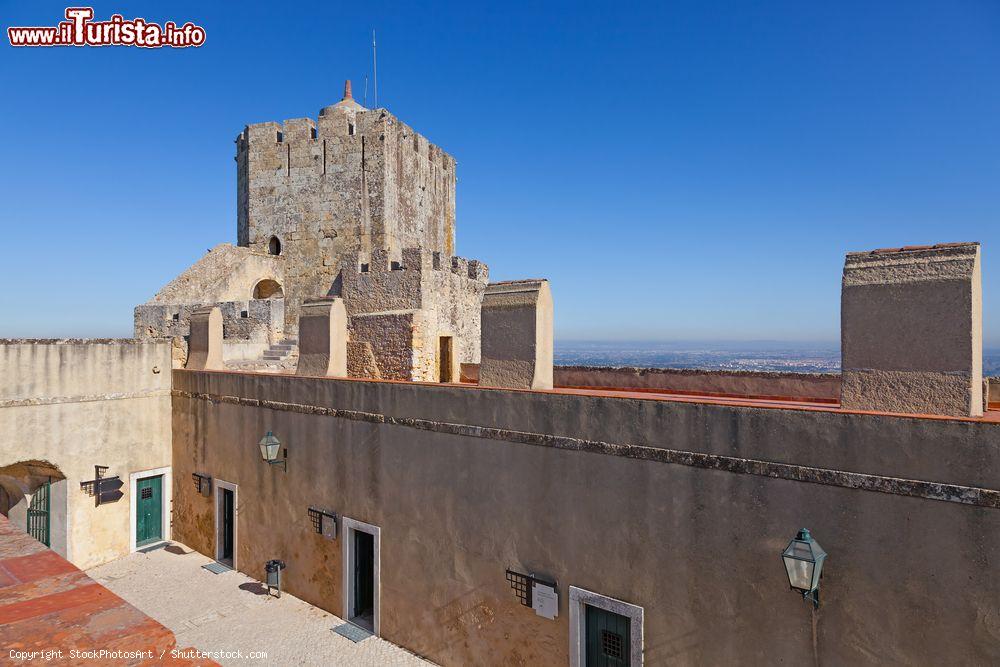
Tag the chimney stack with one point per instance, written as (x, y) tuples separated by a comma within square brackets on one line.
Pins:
[(912, 330)]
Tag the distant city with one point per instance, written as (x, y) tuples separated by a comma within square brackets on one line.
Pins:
[(720, 355)]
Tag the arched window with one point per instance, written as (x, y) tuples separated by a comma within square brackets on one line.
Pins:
[(268, 289), (274, 246)]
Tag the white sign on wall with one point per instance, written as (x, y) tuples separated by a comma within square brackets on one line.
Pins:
[(544, 600)]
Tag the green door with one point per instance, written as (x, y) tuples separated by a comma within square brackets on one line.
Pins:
[(38, 513), (149, 510), (608, 638)]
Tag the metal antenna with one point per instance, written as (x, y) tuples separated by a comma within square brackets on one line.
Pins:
[(365, 103), (375, 68)]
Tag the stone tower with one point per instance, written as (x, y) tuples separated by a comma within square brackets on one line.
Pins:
[(358, 205), (354, 182)]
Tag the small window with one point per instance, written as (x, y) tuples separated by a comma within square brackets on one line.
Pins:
[(274, 246), (350, 129), (244, 314), (177, 316), (314, 135), (395, 266), (364, 268), (279, 137), (611, 644), (147, 493)]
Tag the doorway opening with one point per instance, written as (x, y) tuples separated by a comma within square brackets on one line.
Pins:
[(445, 359), (225, 523), (268, 289), (33, 495), (361, 574)]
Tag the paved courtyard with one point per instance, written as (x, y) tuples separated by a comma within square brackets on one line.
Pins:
[(231, 613)]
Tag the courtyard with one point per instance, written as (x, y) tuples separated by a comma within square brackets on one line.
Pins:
[(232, 618)]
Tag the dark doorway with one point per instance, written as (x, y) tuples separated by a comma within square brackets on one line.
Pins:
[(608, 638), (149, 511), (444, 359), (363, 611), (226, 526)]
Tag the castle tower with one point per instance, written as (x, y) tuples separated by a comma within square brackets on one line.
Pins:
[(352, 182)]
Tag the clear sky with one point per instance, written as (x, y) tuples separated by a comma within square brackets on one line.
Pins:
[(677, 169)]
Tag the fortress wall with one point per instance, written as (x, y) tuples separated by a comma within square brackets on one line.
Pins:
[(623, 497), (249, 327), (74, 404), (441, 296), (822, 386)]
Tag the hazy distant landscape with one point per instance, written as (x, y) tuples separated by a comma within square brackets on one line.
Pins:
[(727, 355)]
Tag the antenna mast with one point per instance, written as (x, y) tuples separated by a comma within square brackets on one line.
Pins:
[(375, 68), (365, 102)]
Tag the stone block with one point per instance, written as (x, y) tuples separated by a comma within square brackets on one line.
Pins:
[(205, 343), (517, 335), (911, 330), (323, 338)]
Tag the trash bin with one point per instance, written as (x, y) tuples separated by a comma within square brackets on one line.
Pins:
[(273, 569)]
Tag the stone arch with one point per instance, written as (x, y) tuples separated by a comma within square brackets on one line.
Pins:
[(20, 482), (268, 289)]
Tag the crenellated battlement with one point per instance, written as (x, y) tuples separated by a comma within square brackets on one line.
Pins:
[(377, 126)]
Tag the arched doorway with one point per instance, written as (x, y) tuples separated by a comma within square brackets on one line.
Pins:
[(33, 495), (268, 289)]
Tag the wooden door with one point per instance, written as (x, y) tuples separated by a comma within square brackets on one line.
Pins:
[(149, 510), (608, 638)]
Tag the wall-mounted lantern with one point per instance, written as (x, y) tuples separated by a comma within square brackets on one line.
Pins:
[(269, 448), (803, 559)]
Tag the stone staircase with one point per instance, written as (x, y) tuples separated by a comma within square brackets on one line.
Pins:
[(280, 357), (282, 351)]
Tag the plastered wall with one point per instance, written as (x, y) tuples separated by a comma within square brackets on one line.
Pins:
[(681, 508), (80, 403)]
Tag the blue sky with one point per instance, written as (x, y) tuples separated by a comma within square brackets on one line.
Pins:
[(678, 170)]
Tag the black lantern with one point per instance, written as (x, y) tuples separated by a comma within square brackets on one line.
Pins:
[(269, 447), (803, 559)]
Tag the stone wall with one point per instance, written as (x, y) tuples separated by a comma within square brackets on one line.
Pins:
[(68, 405), (679, 507), (249, 327), (813, 386), (225, 273), (402, 307)]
